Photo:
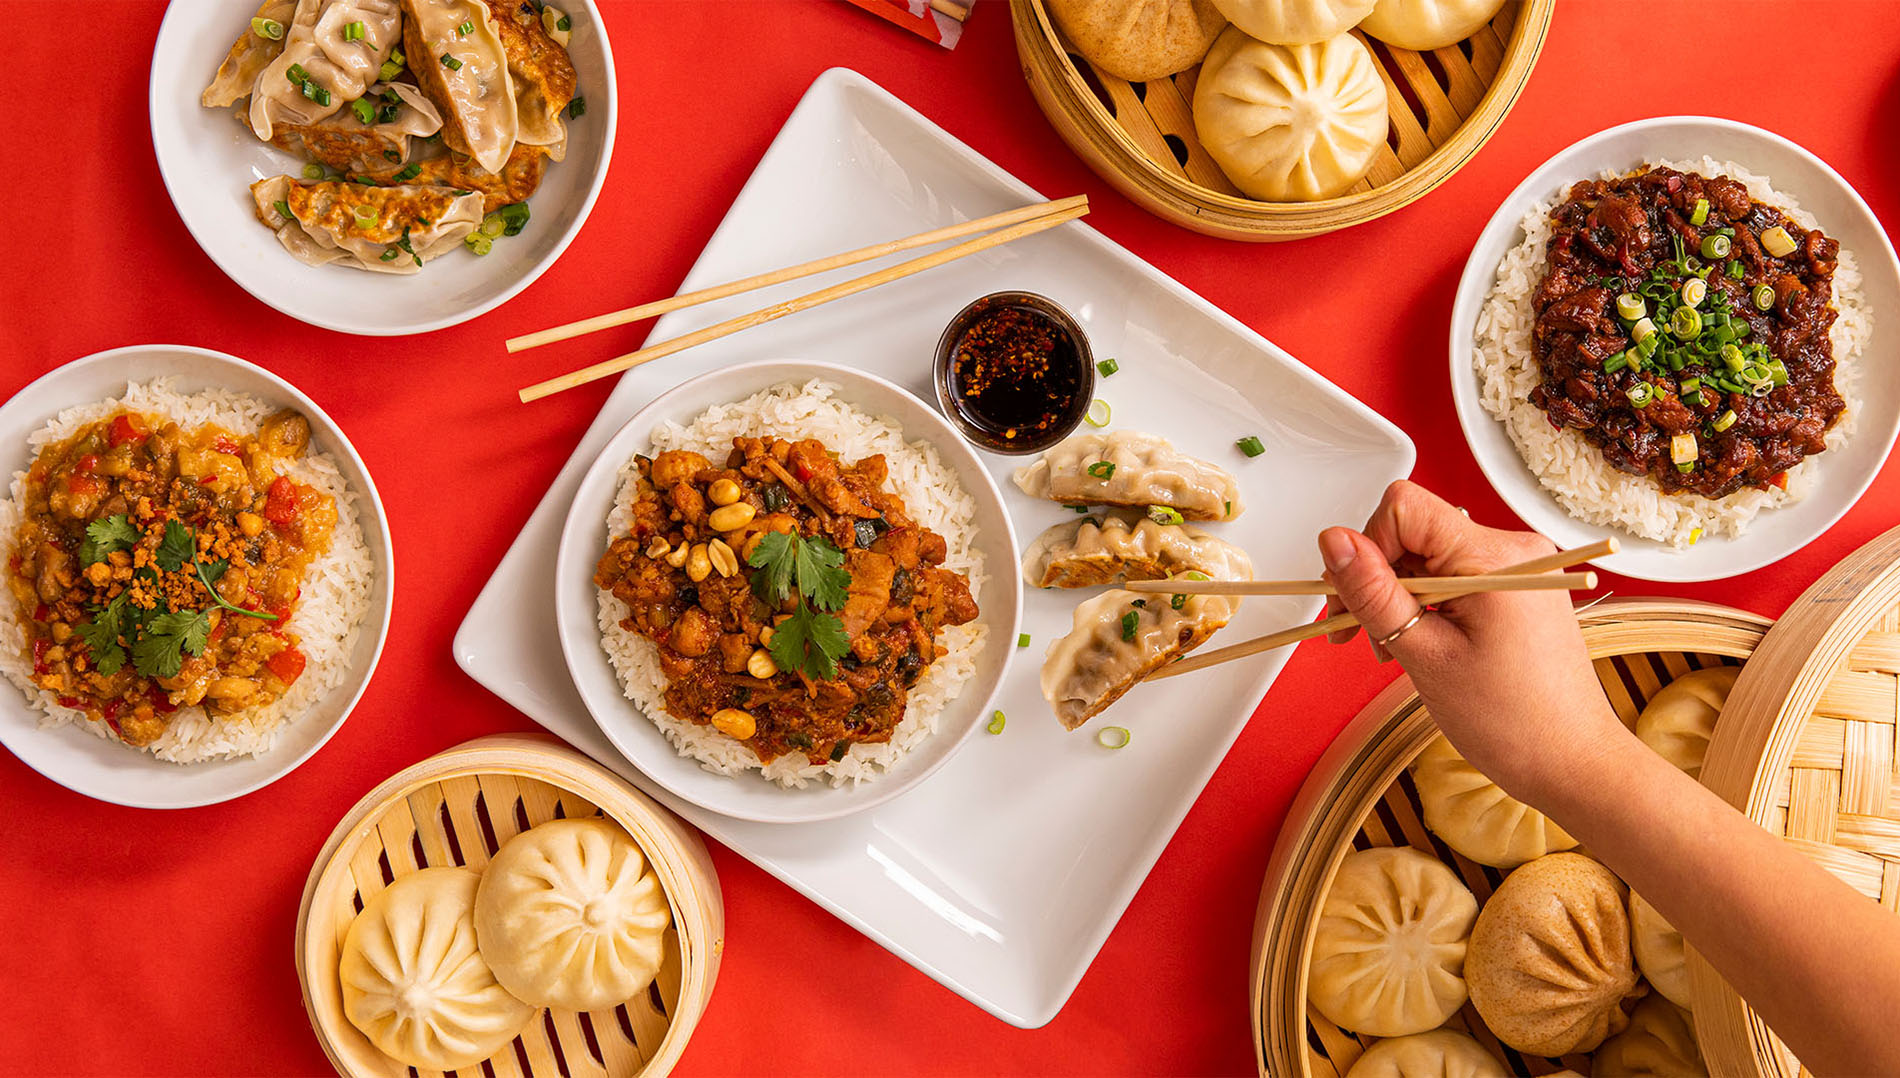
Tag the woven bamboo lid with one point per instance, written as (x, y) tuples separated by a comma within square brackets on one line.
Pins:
[(1806, 749)]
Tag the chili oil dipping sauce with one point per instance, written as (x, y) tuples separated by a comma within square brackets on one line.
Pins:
[(1014, 372)]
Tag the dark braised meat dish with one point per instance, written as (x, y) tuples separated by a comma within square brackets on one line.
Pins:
[(794, 601), (1682, 329)]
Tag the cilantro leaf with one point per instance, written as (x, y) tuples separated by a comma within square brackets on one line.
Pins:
[(811, 642), (213, 571), (160, 652), (776, 554), (106, 535), (176, 548), (820, 578), (101, 633)]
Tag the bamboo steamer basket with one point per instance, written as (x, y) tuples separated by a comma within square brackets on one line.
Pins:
[(1359, 796), (1806, 749), (1443, 106), (457, 808)]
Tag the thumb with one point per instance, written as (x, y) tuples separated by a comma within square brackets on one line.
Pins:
[(1366, 583)]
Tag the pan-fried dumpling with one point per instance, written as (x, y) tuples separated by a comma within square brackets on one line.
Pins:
[(1549, 962), (1678, 721), (1442, 1053), (569, 915), (466, 74), (1428, 24), (1140, 40), (1129, 468), (252, 51), (518, 179), (347, 144), (414, 981), (1660, 952), (541, 72), (1294, 22), (1126, 545), (1476, 818), (1659, 1043), (402, 227), (1119, 638), (335, 64), (1389, 951), (1291, 123)]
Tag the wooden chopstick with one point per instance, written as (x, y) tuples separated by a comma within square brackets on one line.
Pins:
[(791, 273), (1563, 559), (1417, 585), (793, 306)]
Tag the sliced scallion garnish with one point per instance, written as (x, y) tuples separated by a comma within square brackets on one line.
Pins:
[(1251, 446), (313, 172), (365, 112), (450, 62), (282, 208), (1162, 514), (1715, 246), (1112, 737), (1764, 297), (466, 28), (1129, 621), (996, 722), (1701, 215), (1022, 640), (577, 108), (1098, 414), (1108, 367), (1101, 469), (270, 29), (354, 31)]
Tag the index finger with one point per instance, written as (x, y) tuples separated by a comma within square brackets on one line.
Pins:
[(1413, 520)]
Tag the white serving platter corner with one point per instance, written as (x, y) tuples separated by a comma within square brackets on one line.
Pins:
[(1002, 874)]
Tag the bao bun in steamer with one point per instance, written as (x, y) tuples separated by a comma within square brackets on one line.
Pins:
[(1442, 1053), (1139, 40), (1294, 22), (1475, 817), (1389, 951), (1422, 25), (1679, 720)]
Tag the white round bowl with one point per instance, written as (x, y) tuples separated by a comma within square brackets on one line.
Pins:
[(749, 796), (105, 769), (1843, 474), (209, 161)]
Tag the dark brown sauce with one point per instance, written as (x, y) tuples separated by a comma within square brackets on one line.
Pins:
[(1017, 376)]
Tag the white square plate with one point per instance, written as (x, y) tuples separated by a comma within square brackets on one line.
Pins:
[(1002, 874)]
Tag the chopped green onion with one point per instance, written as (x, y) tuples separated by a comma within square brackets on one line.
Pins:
[(1102, 469), (1616, 362), (1682, 448), (1686, 323), (1078, 508), (409, 172), (297, 75), (1112, 737), (1777, 372), (1178, 601), (267, 28), (566, 24), (1764, 297), (577, 108), (391, 255), (388, 114), (1129, 621), (1630, 307), (366, 216), (466, 28), (313, 172), (317, 93), (1689, 385), (1643, 328), (1162, 514), (1686, 467), (282, 208), (1715, 246), (1731, 357), (1735, 269), (479, 243), (1108, 367), (1725, 421), (1251, 446), (354, 31), (1694, 291), (492, 225), (396, 56), (1641, 394), (451, 62), (515, 216), (1701, 215), (390, 69), (1098, 413), (996, 722), (392, 156), (1022, 640), (1777, 242), (365, 112)]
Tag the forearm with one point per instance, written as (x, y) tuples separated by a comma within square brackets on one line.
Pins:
[(1818, 961)]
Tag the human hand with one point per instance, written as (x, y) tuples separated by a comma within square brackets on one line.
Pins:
[(1506, 674)]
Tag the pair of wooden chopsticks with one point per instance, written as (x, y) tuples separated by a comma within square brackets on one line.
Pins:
[(1011, 225), (1431, 590)]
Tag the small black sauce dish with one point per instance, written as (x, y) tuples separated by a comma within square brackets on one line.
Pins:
[(1014, 372)]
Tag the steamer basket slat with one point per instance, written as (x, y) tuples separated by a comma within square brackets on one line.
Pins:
[(457, 808), (1361, 795), (1442, 106)]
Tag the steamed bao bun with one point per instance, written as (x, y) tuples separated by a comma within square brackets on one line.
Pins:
[(1679, 720), (1295, 22), (1428, 24), (1140, 40), (1442, 1053), (570, 915), (1389, 951)]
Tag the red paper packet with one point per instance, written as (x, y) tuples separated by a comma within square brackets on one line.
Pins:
[(940, 21)]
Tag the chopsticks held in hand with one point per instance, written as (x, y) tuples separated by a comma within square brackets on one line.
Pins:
[(1012, 225), (1454, 588), (1417, 585)]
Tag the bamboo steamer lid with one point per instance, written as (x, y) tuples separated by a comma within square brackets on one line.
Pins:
[(1806, 749), (456, 808), (1359, 795)]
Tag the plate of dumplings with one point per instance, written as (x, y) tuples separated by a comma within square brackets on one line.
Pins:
[(508, 898), (383, 167)]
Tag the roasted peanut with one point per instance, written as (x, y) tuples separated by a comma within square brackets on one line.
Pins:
[(761, 666), (698, 563), (658, 547), (735, 723), (723, 492), (723, 559), (728, 517), (766, 634), (678, 555)]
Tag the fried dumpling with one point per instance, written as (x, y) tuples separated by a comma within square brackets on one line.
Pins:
[(1126, 545), (517, 180), (1442, 1053), (325, 64), (1129, 468), (542, 74), (400, 227), (1474, 815), (1119, 638), (1679, 720), (466, 74), (1659, 1043), (375, 149), (237, 76), (1388, 954)]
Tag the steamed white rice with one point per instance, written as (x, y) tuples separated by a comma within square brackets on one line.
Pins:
[(1572, 469), (933, 497), (328, 616)]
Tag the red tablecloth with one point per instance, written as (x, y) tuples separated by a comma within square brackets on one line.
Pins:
[(160, 942)]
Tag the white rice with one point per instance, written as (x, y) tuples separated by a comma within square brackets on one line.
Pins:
[(932, 496), (335, 599), (1572, 469)]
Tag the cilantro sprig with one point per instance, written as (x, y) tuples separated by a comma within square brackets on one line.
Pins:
[(107, 535), (811, 640)]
